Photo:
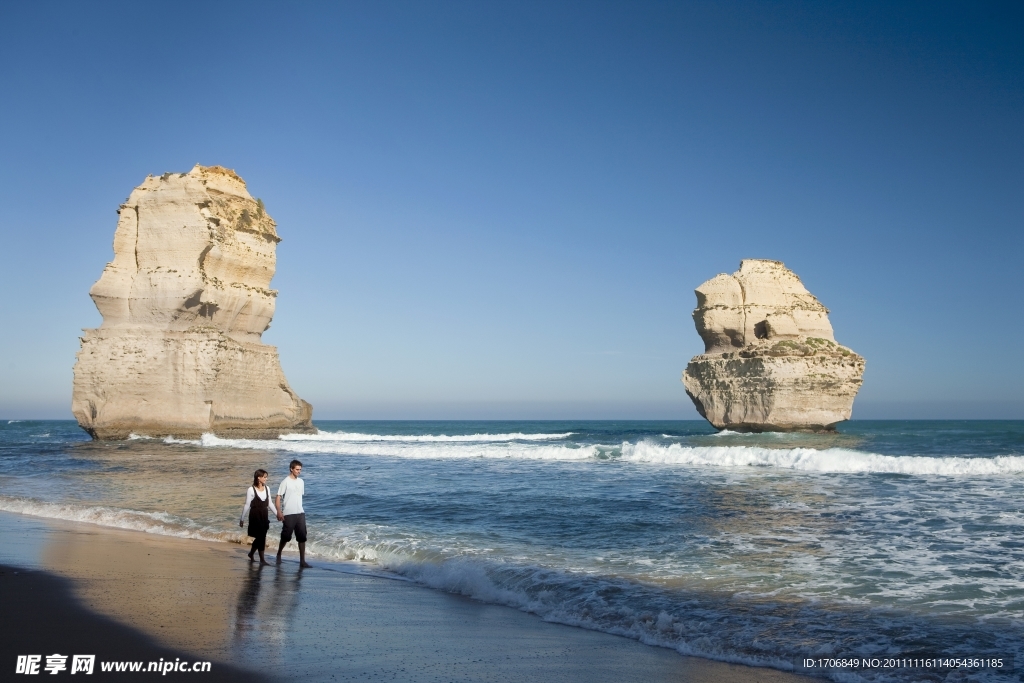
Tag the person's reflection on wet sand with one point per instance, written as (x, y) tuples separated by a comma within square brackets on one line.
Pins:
[(276, 609), (265, 611), (246, 619)]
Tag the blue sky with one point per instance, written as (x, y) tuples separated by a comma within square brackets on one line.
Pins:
[(502, 209)]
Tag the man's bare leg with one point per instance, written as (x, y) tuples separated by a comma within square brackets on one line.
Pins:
[(280, 548), (302, 556)]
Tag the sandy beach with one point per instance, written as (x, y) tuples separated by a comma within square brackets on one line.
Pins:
[(125, 595)]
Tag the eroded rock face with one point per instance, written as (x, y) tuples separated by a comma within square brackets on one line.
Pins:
[(771, 362), (184, 304)]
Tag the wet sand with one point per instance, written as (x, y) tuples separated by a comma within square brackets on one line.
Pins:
[(133, 596), (43, 617)]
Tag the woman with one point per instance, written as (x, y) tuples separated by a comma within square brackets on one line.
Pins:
[(258, 505)]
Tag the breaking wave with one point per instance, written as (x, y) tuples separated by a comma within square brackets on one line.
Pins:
[(414, 449), (422, 438), (831, 460), (696, 627)]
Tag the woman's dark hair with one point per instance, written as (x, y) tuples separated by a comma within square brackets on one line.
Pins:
[(256, 476)]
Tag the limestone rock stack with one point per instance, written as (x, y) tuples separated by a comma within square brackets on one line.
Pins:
[(184, 304), (770, 361)]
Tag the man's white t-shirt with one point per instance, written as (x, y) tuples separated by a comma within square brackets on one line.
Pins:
[(291, 490)]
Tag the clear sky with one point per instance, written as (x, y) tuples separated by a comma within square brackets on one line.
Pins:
[(502, 209)]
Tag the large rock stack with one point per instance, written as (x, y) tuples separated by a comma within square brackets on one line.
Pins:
[(184, 304), (771, 362)]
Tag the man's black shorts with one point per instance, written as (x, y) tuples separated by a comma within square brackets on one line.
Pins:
[(296, 523)]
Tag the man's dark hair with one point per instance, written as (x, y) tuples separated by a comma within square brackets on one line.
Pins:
[(293, 463)]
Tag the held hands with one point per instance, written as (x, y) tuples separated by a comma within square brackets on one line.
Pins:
[(280, 517)]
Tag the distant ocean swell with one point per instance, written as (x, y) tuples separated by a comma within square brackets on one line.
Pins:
[(535, 447)]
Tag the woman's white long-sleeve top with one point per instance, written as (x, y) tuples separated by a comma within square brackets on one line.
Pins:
[(249, 493)]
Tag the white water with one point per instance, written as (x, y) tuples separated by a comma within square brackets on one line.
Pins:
[(160, 523), (422, 438), (832, 460), (412, 448)]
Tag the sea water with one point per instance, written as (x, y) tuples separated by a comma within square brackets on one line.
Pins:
[(887, 539)]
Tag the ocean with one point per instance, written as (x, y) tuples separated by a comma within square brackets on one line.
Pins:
[(886, 541)]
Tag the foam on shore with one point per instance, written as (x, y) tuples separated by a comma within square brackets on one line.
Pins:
[(160, 523)]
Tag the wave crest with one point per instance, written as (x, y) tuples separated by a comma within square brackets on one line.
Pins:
[(429, 451), (422, 438), (834, 460), (810, 460)]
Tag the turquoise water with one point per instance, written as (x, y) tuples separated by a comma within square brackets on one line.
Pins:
[(887, 538)]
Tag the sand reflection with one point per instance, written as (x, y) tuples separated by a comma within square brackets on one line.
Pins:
[(265, 608)]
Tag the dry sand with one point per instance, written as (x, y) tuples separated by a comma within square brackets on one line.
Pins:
[(130, 595)]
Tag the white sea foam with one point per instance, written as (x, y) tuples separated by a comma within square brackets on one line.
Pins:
[(511, 449), (160, 523), (422, 438), (562, 597), (838, 460), (194, 442), (832, 460)]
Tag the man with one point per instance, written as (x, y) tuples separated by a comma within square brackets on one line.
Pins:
[(291, 513)]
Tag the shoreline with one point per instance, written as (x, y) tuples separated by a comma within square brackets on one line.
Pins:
[(204, 600)]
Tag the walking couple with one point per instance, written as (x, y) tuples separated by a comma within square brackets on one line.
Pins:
[(258, 505)]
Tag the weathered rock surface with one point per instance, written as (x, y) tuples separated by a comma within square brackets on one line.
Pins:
[(770, 362), (184, 304)]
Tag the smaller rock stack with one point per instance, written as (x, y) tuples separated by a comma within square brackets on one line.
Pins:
[(770, 361)]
